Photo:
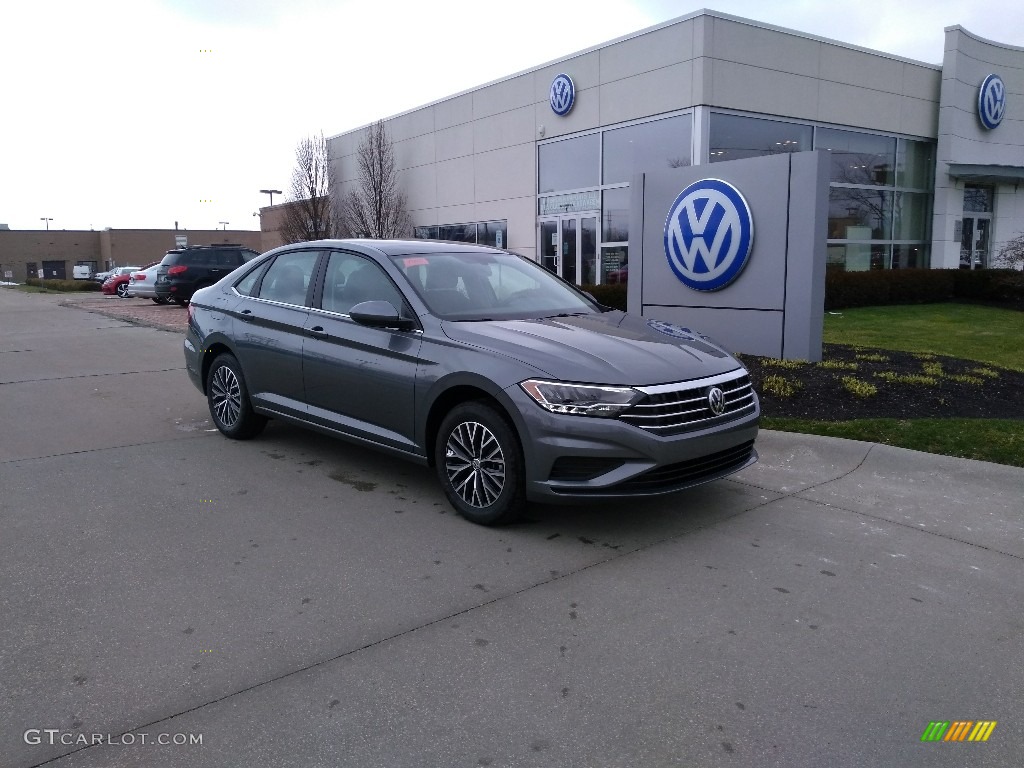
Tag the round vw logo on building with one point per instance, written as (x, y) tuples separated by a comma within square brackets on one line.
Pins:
[(708, 235), (716, 401), (992, 101), (563, 94)]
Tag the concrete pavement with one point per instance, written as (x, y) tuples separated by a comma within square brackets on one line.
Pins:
[(295, 600)]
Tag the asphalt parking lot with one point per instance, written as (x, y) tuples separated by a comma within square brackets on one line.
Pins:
[(295, 600)]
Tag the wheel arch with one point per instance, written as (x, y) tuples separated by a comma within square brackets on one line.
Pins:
[(463, 392)]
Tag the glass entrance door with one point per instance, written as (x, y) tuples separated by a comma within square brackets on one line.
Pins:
[(568, 247), (974, 242)]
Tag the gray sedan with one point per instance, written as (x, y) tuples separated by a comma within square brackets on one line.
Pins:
[(142, 285), (511, 383)]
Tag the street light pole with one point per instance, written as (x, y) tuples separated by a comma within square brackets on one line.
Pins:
[(47, 220), (271, 192), (224, 223)]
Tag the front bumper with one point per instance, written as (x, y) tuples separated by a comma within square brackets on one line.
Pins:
[(575, 457)]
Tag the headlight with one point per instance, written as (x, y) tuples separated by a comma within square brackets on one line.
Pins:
[(580, 399)]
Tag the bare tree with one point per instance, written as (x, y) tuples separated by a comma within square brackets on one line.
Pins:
[(376, 208), (1011, 255), (309, 215)]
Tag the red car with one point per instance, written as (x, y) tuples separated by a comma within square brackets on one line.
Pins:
[(118, 281)]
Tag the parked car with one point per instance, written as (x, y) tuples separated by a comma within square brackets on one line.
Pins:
[(142, 284), (183, 271), (117, 282), (512, 383), (100, 277)]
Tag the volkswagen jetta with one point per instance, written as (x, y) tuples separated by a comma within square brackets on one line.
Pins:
[(513, 384)]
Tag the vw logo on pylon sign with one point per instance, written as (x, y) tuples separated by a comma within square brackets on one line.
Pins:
[(992, 101), (563, 94), (708, 235)]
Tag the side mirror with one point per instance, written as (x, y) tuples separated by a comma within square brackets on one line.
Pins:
[(380, 314)]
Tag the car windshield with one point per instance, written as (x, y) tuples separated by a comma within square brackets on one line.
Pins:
[(490, 286)]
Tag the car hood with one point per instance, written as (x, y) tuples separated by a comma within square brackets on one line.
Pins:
[(607, 348)]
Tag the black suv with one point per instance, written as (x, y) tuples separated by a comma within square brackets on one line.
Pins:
[(184, 271)]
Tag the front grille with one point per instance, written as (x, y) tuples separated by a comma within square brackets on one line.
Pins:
[(679, 475), (582, 467), (670, 410)]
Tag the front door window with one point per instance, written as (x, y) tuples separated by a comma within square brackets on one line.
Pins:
[(569, 247), (974, 242)]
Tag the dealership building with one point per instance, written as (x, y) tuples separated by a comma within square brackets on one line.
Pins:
[(925, 160)]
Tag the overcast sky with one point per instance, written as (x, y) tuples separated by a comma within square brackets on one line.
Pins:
[(146, 112)]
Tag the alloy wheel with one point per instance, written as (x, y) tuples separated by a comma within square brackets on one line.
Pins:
[(226, 396), (475, 464)]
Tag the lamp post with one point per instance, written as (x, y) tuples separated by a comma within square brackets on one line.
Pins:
[(47, 220), (271, 192), (224, 224)]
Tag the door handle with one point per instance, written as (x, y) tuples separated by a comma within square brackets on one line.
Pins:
[(317, 331), (246, 311)]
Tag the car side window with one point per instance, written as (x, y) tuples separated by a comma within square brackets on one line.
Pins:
[(287, 280), (247, 284), (353, 279)]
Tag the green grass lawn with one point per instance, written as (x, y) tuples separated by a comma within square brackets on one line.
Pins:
[(996, 440), (968, 331), (971, 332)]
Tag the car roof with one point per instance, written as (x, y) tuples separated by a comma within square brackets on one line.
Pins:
[(400, 247)]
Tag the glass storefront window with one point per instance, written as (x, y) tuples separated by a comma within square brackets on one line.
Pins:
[(615, 215), (493, 233), (457, 233), (910, 256), (859, 214), (915, 164), (978, 199), (570, 163), (856, 257), (859, 158), (426, 233), (734, 137), (615, 264), (910, 216), (654, 145)]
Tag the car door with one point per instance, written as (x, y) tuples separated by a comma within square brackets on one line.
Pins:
[(269, 331), (360, 380)]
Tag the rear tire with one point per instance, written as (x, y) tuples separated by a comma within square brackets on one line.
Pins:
[(228, 398), (122, 290), (479, 462)]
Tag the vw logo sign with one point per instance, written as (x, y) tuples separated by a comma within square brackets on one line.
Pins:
[(992, 101), (563, 95), (716, 401), (708, 235)]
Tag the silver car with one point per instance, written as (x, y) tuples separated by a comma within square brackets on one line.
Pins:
[(513, 384), (142, 285)]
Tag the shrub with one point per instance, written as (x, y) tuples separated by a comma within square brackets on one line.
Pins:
[(879, 287), (858, 387), (838, 365), (933, 369), (787, 364), (779, 386), (965, 379), (874, 357), (65, 285), (987, 372), (612, 295), (910, 378)]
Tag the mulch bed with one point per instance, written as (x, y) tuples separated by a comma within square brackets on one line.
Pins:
[(823, 396)]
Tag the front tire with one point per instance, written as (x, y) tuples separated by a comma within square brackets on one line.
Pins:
[(228, 398), (479, 461), (159, 300)]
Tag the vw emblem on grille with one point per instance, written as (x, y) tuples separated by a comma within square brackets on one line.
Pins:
[(716, 401), (708, 235), (563, 95), (992, 101)]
